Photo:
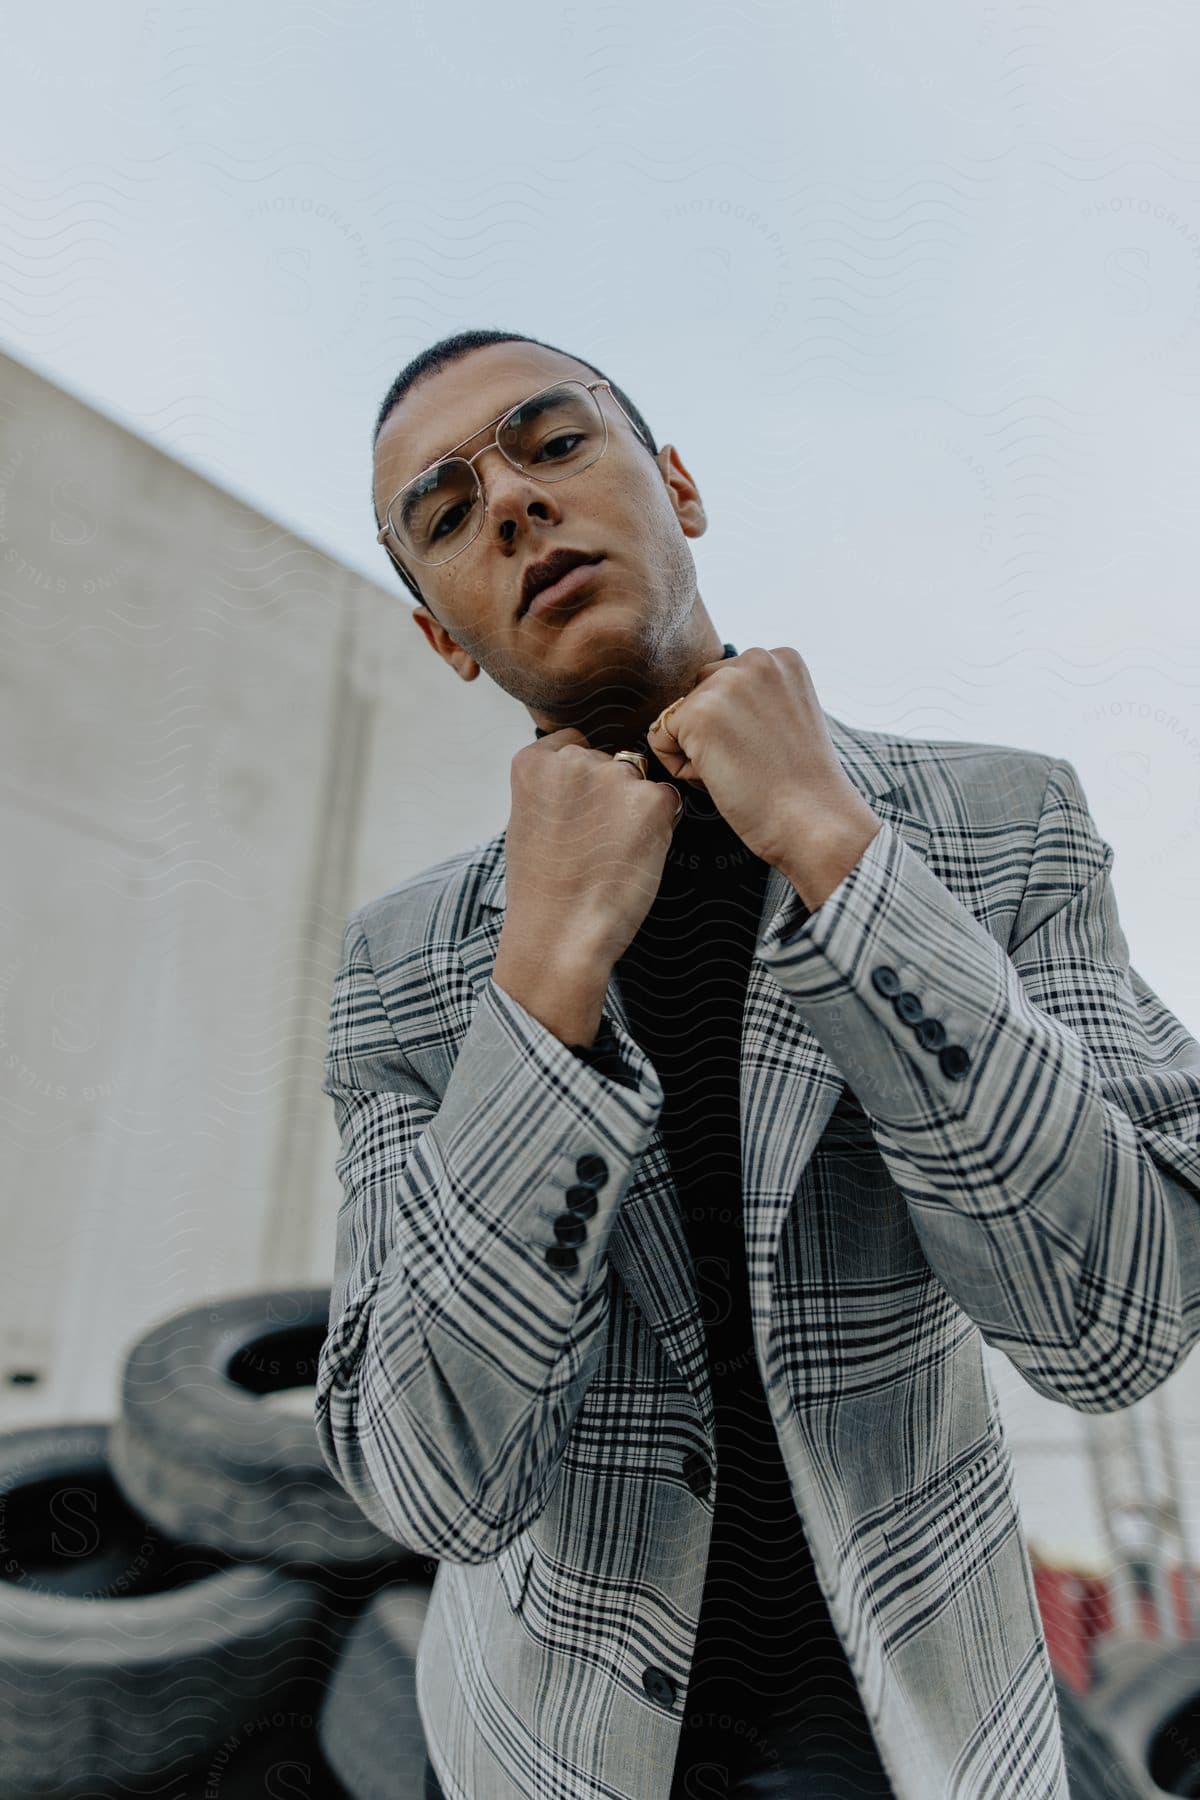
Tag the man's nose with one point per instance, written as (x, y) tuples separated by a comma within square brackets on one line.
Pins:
[(508, 490)]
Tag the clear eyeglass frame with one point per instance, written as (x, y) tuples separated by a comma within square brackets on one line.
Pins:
[(499, 422)]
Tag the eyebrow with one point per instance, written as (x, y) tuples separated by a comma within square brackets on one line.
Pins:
[(451, 448), (491, 423)]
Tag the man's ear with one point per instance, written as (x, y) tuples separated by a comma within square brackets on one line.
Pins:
[(685, 495), (460, 660)]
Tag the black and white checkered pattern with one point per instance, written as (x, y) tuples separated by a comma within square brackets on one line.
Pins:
[(530, 1425)]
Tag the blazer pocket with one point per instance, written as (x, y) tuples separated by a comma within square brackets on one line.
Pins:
[(512, 1566), (970, 1480)]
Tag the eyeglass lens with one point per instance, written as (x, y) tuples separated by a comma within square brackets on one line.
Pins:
[(557, 433)]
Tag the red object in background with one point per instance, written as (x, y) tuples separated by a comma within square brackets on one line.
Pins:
[(1075, 1610), (1189, 1623)]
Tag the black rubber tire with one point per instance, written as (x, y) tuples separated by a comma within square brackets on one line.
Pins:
[(125, 1656), (1149, 1693), (1096, 1767), (275, 1752), (369, 1727), (199, 1453)]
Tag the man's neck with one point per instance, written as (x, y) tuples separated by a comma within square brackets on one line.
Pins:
[(625, 731)]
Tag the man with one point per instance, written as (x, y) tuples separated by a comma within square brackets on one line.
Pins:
[(695, 1131)]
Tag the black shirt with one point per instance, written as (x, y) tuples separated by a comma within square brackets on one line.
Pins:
[(770, 1686)]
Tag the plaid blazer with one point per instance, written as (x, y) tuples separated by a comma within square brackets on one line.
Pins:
[(1029, 1174)]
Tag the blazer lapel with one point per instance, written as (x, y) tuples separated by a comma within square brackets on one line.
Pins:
[(789, 1088)]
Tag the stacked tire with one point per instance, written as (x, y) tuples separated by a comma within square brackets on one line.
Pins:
[(177, 1587), (1148, 1692), (369, 1726), (1097, 1768), (191, 1607)]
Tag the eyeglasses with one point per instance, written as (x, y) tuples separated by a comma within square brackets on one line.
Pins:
[(558, 432)]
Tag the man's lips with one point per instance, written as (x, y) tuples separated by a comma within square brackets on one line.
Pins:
[(565, 588)]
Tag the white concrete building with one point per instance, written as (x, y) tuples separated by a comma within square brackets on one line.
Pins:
[(215, 744)]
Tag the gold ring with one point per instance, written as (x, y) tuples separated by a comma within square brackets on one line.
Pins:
[(636, 758), (661, 722)]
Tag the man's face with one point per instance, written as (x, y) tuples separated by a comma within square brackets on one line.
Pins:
[(641, 612)]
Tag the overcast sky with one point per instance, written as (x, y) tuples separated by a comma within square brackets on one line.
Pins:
[(915, 291)]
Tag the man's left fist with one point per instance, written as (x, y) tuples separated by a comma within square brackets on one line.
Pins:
[(751, 731)]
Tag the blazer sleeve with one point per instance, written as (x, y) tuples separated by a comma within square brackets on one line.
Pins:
[(1051, 1163), (457, 1354), (605, 1054)]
